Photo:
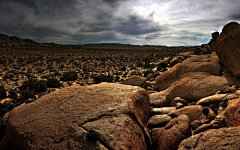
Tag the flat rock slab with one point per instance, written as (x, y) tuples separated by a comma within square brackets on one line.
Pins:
[(107, 115), (223, 138)]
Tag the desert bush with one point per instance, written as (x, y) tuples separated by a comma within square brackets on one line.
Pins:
[(27, 93), (31, 60), (162, 64), (38, 86), (103, 78), (69, 76), (2, 92), (53, 83), (57, 73), (139, 64), (123, 68), (12, 94), (146, 59), (40, 70)]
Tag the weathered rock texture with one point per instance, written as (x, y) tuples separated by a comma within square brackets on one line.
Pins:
[(232, 113), (227, 47), (224, 138), (203, 63), (103, 116), (170, 137), (192, 87), (214, 99), (134, 81), (194, 112), (158, 121)]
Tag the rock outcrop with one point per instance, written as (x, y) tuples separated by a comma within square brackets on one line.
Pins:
[(227, 47), (6, 40), (203, 63), (103, 116), (192, 87)]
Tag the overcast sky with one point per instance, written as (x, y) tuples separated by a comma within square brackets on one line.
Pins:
[(153, 22)]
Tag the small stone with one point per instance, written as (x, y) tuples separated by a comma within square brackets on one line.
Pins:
[(195, 124), (179, 105), (233, 89), (163, 110), (158, 121), (179, 100), (202, 128)]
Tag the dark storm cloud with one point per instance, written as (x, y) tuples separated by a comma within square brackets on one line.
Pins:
[(136, 26), (138, 21), (235, 16)]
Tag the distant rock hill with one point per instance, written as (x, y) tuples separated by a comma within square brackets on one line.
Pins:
[(6, 40)]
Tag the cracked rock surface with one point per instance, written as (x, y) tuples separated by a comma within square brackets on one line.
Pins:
[(103, 116), (223, 138)]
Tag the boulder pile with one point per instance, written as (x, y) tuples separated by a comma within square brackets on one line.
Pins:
[(195, 104)]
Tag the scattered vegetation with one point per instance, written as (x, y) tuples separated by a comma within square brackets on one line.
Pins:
[(103, 78), (31, 87), (69, 76), (2, 92), (53, 83)]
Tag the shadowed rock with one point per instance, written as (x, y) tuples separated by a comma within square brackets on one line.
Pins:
[(227, 47), (170, 137), (232, 113), (109, 116)]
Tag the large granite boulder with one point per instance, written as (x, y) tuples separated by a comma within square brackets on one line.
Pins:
[(203, 63), (192, 87), (103, 116), (169, 137), (227, 47), (232, 113), (223, 138)]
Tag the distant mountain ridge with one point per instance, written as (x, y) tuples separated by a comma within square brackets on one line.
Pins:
[(6, 40), (118, 45)]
